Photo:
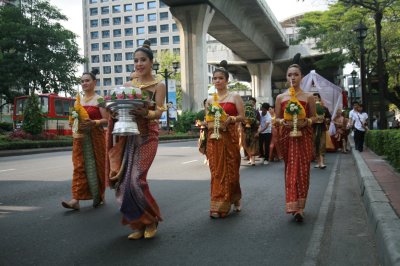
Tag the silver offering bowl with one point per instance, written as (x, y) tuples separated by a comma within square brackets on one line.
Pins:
[(126, 124)]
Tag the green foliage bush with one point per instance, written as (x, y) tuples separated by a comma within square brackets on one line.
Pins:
[(385, 143), (5, 126), (185, 121), (33, 120)]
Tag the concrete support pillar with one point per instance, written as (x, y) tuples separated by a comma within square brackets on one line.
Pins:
[(261, 83), (193, 22)]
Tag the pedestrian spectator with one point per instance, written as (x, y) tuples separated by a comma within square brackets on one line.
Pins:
[(351, 121), (223, 148), (201, 123), (88, 148), (340, 136), (360, 119), (296, 150), (249, 131), (132, 156), (320, 130), (274, 148), (265, 131), (172, 115)]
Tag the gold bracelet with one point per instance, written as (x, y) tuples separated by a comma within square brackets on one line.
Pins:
[(151, 114), (309, 120), (233, 119), (97, 122)]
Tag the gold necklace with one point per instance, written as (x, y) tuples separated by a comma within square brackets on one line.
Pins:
[(221, 98), (88, 99), (144, 85)]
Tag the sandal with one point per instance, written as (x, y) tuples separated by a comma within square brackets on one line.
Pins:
[(150, 230), (68, 205), (136, 235), (214, 215), (237, 206), (299, 217)]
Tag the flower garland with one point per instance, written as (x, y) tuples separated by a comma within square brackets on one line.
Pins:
[(294, 111), (216, 114), (78, 114)]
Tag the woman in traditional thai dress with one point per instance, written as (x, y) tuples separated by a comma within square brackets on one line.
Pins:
[(340, 137), (88, 148), (130, 157), (223, 150), (296, 150), (249, 133)]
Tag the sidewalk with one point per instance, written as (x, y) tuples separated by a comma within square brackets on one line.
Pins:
[(380, 192)]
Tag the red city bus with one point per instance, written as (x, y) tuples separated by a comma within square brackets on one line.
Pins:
[(55, 110)]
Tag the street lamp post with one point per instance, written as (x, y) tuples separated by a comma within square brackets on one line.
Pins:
[(166, 75), (353, 88), (361, 31)]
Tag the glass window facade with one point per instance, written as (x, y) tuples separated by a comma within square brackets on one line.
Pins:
[(175, 39), (94, 35), (129, 44), (129, 56), (106, 69), (129, 68), (139, 42), (153, 41), (128, 7), (94, 47), (152, 29), (107, 82), (117, 33), (128, 32), (105, 22), (118, 57), (105, 34), (106, 45), (119, 81), (164, 40), (94, 23), (128, 19), (117, 45), (116, 9), (163, 15), (139, 30), (94, 11), (139, 6), (152, 17), (139, 18), (164, 28), (106, 57), (117, 21), (95, 59), (105, 10), (151, 5)]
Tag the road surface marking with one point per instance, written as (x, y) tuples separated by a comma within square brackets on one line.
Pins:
[(7, 170), (314, 247), (192, 161)]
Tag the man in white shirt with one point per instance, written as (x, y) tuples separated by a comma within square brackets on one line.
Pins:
[(265, 131), (359, 119)]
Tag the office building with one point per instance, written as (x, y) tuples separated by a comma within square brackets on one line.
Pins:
[(113, 29)]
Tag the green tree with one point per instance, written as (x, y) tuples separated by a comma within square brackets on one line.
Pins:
[(33, 119), (333, 32), (165, 59), (39, 54)]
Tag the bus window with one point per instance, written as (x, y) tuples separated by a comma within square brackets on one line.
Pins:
[(58, 107), (66, 106), (44, 105), (19, 106)]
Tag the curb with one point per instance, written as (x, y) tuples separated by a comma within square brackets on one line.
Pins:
[(382, 219)]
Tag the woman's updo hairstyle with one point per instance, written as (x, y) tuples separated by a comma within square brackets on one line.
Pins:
[(296, 66), (146, 49), (92, 73), (223, 66)]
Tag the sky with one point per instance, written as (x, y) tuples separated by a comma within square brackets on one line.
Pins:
[(282, 9)]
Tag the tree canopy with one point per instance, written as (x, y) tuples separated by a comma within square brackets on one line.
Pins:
[(37, 52), (333, 32)]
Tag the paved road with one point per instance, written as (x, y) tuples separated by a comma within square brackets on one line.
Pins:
[(35, 230)]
